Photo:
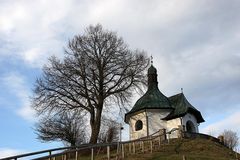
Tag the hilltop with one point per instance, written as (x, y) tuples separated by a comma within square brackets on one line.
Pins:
[(192, 149), (175, 149)]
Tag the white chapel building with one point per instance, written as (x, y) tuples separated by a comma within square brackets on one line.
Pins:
[(154, 111)]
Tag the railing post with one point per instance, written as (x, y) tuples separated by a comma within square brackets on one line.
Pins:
[(76, 155), (134, 149), (92, 152), (50, 153), (180, 131), (108, 152), (129, 147), (151, 144), (169, 138), (118, 148), (122, 150), (184, 158), (159, 140), (143, 146)]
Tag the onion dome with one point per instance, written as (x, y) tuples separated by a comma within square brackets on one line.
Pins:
[(153, 98)]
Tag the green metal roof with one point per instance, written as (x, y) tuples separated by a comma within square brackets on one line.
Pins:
[(152, 70), (154, 99), (181, 107)]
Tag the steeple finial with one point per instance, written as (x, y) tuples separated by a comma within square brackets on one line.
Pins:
[(151, 60), (181, 90)]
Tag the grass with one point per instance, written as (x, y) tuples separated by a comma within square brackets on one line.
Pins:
[(195, 149), (191, 149)]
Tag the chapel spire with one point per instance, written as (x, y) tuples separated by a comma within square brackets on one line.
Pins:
[(152, 76)]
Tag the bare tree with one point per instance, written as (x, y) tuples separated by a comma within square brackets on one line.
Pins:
[(67, 127), (98, 68), (230, 139)]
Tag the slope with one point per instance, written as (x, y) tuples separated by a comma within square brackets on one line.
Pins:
[(188, 149)]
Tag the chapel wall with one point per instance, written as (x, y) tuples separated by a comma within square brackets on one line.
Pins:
[(132, 121), (171, 124), (155, 121)]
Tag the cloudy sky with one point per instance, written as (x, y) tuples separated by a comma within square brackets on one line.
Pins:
[(195, 45)]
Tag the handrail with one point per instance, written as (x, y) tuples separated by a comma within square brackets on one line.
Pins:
[(79, 149), (40, 152), (84, 146)]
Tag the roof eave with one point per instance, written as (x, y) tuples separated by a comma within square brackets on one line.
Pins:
[(126, 118)]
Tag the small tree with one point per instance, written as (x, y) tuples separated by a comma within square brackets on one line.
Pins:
[(109, 131), (68, 127), (230, 139)]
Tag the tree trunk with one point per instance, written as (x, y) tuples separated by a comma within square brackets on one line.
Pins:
[(95, 122)]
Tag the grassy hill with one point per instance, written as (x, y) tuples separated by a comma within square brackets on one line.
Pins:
[(191, 149), (177, 149)]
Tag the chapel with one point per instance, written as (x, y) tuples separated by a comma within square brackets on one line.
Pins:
[(154, 111)]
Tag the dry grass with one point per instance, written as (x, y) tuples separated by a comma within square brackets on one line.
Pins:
[(195, 149), (191, 149)]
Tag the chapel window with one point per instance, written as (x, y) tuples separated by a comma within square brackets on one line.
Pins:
[(138, 125)]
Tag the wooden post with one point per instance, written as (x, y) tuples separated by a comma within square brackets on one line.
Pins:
[(221, 139), (122, 150), (180, 131), (108, 152), (184, 158), (151, 145), (236, 153), (159, 141), (118, 148), (143, 146), (168, 138), (129, 147), (76, 155), (65, 156), (50, 153), (92, 154), (134, 150)]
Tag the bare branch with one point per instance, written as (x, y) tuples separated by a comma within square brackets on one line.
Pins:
[(98, 68)]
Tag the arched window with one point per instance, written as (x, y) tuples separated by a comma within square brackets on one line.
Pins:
[(190, 126), (138, 125)]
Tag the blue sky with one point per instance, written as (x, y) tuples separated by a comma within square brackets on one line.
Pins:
[(195, 45)]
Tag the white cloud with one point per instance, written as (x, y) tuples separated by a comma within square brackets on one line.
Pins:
[(232, 122), (7, 152), (17, 85), (195, 44), (31, 29)]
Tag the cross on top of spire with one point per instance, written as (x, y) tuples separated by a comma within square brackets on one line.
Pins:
[(151, 60)]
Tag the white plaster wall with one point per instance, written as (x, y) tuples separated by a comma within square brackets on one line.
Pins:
[(154, 120), (141, 133), (155, 123), (171, 124), (192, 118)]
